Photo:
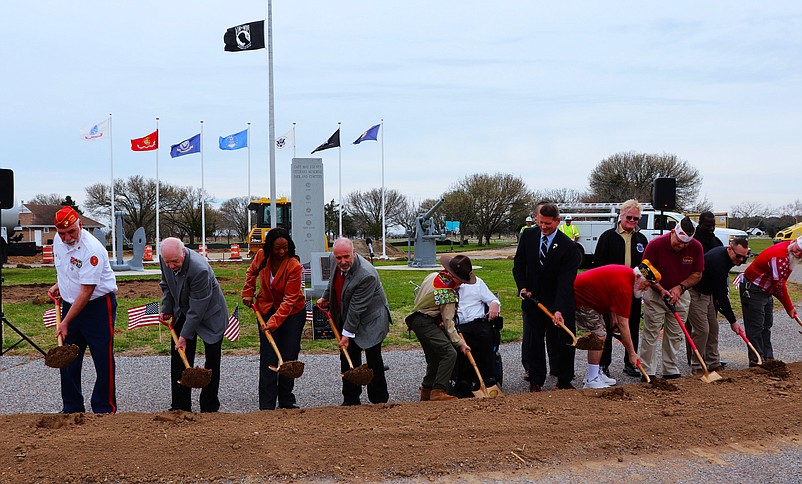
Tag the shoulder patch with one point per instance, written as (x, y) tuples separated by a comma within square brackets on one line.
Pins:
[(93, 260)]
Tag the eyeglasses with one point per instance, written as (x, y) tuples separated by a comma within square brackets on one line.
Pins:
[(738, 256), (632, 217)]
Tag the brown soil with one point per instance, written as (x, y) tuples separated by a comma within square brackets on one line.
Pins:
[(520, 435), (37, 293), (590, 341), (61, 356), (292, 369), (361, 375), (196, 377)]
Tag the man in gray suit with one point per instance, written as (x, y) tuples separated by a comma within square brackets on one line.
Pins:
[(359, 308), (192, 299)]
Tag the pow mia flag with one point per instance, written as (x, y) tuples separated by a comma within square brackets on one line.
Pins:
[(250, 36)]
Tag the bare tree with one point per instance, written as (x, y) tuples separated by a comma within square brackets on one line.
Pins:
[(365, 208), (234, 213), (749, 213), (701, 205), (135, 197), (631, 175), (47, 199)]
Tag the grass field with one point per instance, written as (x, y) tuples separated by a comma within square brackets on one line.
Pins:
[(155, 340)]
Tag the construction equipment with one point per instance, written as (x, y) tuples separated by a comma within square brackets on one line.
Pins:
[(788, 233), (551, 316), (261, 207), (709, 376)]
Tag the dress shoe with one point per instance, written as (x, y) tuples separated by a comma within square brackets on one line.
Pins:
[(630, 370), (566, 387), (672, 376), (350, 404), (722, 363), (440, 395), (534, 387), (425, 394)]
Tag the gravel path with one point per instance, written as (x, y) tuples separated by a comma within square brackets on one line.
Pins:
[(28, 386)]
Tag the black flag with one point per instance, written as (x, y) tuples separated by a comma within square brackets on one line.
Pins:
[(250, 36), (333, 142)]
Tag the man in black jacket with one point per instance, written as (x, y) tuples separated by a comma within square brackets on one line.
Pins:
[(622, 244), (711, 294)]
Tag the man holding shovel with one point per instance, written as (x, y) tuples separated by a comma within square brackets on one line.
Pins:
[(609, 290), (764, 278), (359, 308), (87, 287), (193, 301)]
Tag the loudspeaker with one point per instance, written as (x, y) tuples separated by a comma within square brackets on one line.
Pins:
[(664, 193), (6, 188)]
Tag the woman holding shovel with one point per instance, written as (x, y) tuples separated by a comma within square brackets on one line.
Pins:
[(281, 302)]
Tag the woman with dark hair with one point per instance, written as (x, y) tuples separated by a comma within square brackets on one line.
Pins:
[(281, 302)]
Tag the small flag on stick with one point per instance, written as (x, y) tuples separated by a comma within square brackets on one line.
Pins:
[(146, 315), (49, 318), (232, 328)]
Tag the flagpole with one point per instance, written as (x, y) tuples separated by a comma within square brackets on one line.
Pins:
[(271, 114), (158, 188), (203, 198), (340, 182), (113, 231), (248, 139), (384, 223), (293, 140)]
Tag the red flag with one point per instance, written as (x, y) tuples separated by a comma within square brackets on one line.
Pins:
[(148, 143)]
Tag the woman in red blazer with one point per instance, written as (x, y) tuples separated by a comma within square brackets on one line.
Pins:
[(281, 302)]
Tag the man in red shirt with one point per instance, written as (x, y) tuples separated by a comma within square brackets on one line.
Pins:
[(609, 290), (680, 259), (764, 278)]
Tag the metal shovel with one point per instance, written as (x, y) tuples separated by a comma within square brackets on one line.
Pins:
[(709, 376), (191, 377), (483, 391), (62, 355), (292, 369), (358, 376), (743, 336)]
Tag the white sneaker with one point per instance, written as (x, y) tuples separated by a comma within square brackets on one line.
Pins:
[(596, 383), (606, 379)]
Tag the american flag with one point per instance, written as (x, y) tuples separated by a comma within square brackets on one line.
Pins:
[(147, 315), (49, 318), (306, 274), (232, 328), (308, 310)]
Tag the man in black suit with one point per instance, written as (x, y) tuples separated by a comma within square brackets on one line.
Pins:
[(544, 268)]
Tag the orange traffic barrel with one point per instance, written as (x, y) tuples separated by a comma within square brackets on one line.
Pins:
[(148, 256), (235, 251), (47, 254)]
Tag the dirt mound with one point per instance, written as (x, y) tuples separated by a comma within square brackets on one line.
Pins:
[(775, 368), (531, 433)]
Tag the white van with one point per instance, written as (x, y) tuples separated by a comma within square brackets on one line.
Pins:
[(592, 219)]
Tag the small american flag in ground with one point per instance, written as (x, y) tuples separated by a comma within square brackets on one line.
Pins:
[(232, 328), (49, 317), (308, 310), (147, 315), (306, 275)]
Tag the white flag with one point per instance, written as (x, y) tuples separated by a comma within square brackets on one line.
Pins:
[(96, 131), (286, 141)]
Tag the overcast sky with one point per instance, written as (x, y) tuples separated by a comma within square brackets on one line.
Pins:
[(543, 90)]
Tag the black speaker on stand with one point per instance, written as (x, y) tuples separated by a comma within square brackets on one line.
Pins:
[(664, 197), (7, 201)]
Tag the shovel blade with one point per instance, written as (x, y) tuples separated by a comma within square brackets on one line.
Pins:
[(494, 391), (710, 377)]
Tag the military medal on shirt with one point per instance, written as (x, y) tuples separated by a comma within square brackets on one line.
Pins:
[(444, 292)]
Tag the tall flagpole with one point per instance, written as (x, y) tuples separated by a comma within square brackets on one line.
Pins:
[(203, 199), (293, 139), (113, 229), (384, 223), (158, 189), (340, 182), (271, 109), (248, 139)]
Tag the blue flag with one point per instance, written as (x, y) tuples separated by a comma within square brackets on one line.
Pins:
[(370, 134), (234, 141), (191, 145)]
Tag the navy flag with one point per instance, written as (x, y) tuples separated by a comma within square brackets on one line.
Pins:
[(332, 142), (370, 134), (250, 36), (191, 145)]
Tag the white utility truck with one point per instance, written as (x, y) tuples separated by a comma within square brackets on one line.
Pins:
[(594, 218)]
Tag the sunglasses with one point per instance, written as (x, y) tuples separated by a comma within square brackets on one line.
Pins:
[(632, 217), (739, 256)]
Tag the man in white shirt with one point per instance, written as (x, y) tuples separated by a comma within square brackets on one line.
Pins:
[(87, 287), (476, 310)]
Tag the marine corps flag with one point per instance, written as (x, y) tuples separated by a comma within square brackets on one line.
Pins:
[(332, 142), (148, 143), (250, 36)]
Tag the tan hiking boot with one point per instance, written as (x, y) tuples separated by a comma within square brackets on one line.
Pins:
[(425, 394), (439, 395)]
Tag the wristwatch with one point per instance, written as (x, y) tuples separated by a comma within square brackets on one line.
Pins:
[(682, 286)]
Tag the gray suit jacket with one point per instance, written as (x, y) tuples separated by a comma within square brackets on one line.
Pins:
[(364, 311), (195, 294)]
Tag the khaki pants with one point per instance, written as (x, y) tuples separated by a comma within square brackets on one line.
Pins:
[(656, 316), (704, 329)]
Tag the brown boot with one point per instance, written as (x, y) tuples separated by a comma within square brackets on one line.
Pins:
[(425, 394), (440, 395)]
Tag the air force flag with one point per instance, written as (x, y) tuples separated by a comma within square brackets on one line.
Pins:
[(191, 145), (234, 141)]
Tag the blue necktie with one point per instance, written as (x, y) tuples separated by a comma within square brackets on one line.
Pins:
[(544, 248)]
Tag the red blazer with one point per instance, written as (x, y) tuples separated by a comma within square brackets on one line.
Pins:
[(285, 294)]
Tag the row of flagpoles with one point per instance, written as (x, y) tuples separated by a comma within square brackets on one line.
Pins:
[(230, 142)]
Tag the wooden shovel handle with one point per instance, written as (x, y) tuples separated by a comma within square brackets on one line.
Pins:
[(269, 336), (551, 316), (748, 343), (688, 338), (337, 336), (476, 369), (799, 321), (643, 372), (57, 303), (181, 351)]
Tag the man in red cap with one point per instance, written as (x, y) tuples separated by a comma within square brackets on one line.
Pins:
[(87, 287)]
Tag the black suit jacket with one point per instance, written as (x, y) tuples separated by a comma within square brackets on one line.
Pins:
[(552, 283)]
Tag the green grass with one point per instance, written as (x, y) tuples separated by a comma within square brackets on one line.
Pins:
[(148, 341)]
